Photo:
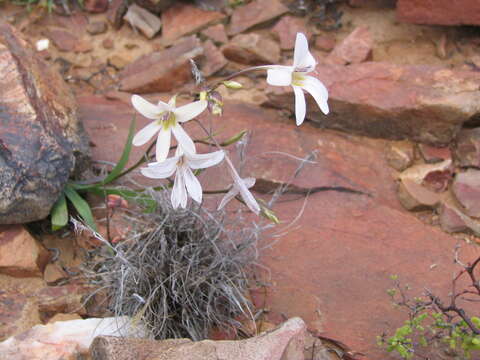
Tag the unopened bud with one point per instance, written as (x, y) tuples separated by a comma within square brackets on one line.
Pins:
[(232, 84), (234, 138), (270, 215)]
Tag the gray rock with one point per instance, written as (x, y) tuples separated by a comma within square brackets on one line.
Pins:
[(41, 140)]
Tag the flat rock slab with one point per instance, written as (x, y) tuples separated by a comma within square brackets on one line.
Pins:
[(439, 12), (332, 267), (422, 103)]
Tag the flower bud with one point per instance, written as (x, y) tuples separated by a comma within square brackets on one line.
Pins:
[(232, 84)]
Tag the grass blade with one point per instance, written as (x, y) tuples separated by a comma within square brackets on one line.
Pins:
[(81, 206), (59, 213)]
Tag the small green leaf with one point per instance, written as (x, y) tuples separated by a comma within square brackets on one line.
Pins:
[(59, 213), (117, 170), (81, 206)]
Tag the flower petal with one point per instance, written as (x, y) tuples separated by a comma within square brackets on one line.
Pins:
[(249, 182), (144, 135), (281, 76), (183, 139), (202, 161), (179, 193), (160, 170), (302, 58), (318, 91), (249, 199), (163, 144), (146, 108), (189, 111), (193, 185), (228, 196), (300, 106)]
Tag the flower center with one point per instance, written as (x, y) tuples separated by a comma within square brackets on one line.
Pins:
[(167, 120), (297, 78)]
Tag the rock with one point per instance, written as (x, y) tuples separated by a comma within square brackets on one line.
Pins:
[(143, 20), (287, 28), (467, 148), (20, 254), (443, 12), (97, 27), (64, 40), (41, 135), (18, 312), (380, 99), (108, 44), (185, 19), (451, 217), (354, 49), (95, 6), (421, 186), (433, 154), (53, 274), (373, 3), (117, 61), (63, 340), (214, 60), (400, 155), (466, 187), (252, 49), (116, 10), (325, 42), (161, 70), (63, 299), (283, 343), (216, 33), (255, 13), (155, 6), (63, 317)]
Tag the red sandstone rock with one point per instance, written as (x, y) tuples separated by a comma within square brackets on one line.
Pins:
[(216, 33), (143, 20), (283, 343), (255, 13), (116, 10), (466, 188), (439, 12), (161, 70), (155, 6), (214, 60), (354, 49), (433, 154), (184, 19), (20, 254), (423, 103), (252, 49), (451, 217), (467, 149), (373, 3), (287, 28), (95, 6), (65, 40), (400, 155), (325, 43)]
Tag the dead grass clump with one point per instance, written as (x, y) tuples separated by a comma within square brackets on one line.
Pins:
[(180, 273)]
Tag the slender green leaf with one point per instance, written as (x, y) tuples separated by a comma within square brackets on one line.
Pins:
[(59, 213), (117, 170), (81, 206)]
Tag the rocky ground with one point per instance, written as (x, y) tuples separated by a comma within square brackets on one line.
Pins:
[(399, 153)]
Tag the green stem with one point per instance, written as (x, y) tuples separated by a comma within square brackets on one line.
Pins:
[(238, 73)]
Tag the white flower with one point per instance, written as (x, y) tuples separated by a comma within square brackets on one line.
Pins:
[(303, 63), (166, 120), (240, 186), (235, 190), (186, 183)]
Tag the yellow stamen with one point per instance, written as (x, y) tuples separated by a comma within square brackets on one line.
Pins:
[(297, 79), (170, 122)]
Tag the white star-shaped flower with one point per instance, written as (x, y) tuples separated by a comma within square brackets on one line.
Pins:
[(295, 76), (237, 189), (167, 119), (186, 183)]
